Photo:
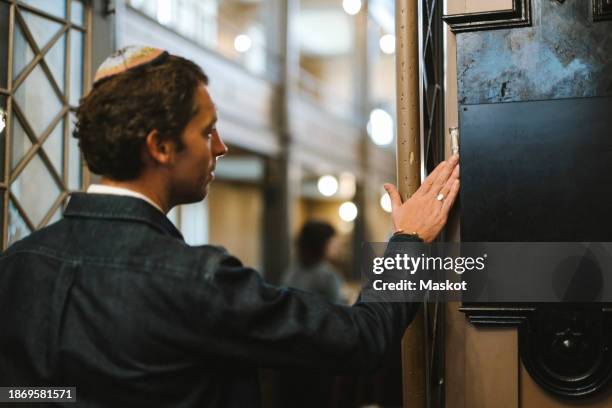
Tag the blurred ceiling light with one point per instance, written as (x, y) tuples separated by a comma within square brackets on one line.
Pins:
[(323, 32), (164, 11), (327, 185), (242, 43), (385, 202), (348, 211), (351, 7), (380, 127), (382, 13), (2, 120), (347, 185), (387, 43)]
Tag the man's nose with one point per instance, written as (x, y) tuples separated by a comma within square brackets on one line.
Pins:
[(219, 148)]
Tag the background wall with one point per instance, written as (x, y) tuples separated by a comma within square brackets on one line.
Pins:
[(238, 222)]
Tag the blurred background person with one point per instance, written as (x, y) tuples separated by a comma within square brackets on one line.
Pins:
[(313, 272), (316, 245)]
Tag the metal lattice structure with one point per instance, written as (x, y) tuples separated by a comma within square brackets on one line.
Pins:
[(44, 67), (432, 68)]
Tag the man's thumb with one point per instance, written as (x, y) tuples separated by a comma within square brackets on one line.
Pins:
[(396, 199)]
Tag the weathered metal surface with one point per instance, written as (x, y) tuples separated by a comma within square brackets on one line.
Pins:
[(602, 10), (564, 54), (538, 170)]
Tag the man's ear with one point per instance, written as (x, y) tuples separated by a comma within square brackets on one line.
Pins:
[(159, 150)]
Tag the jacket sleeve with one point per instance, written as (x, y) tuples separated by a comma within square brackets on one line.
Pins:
[(243, 318)]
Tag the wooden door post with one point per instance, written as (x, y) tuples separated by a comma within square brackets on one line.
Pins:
[(408, 176)]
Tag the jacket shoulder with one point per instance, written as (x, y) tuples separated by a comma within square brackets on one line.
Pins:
[(143, 252)]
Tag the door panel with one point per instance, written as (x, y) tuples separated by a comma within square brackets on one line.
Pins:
[(41, 81), (533, 92)]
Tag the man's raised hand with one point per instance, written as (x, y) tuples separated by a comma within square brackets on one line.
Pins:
[(426, 211)]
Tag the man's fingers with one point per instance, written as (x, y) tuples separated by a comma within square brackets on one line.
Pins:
[(428, 183), (396, 199), (455, 174), (444, 175), (449, 200), (449, 183), (429, 180)]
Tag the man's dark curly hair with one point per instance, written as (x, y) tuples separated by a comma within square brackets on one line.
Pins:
[(114, 119)]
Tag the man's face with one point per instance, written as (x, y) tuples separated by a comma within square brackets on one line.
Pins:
[(193, 167)]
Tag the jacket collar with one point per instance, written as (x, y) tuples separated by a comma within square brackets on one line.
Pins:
[(107, 206)]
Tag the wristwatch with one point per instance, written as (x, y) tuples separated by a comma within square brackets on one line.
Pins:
[(410, 234)]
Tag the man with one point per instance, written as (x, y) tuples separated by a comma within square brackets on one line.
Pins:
[(111, 300)]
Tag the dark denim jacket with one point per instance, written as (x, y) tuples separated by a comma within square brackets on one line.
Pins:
[(111, 300)]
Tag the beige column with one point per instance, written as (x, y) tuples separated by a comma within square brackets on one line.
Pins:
[(408, 176), (280, 184)]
